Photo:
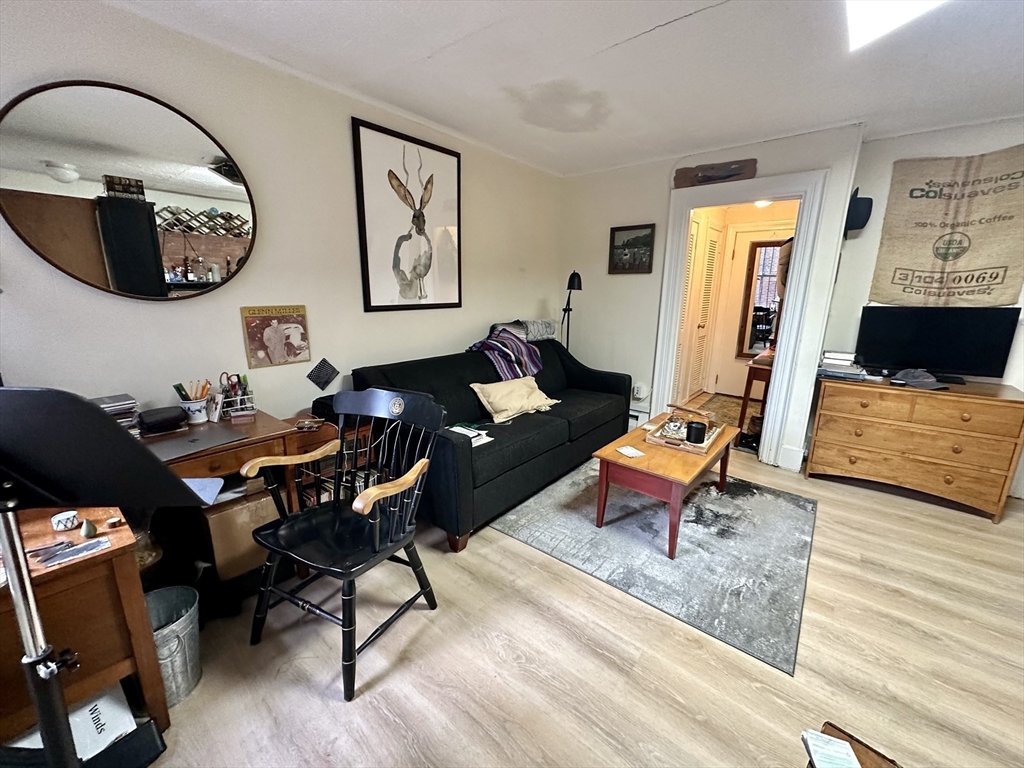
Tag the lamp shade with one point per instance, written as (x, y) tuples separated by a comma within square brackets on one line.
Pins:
[(575, 282)]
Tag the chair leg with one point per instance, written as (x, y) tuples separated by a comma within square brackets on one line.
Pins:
[(421, 575), (348, 637), (263, 601)]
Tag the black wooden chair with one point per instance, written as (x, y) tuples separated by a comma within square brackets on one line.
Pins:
[(369, 513)]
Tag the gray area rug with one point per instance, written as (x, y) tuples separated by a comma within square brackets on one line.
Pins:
[(741, 561)]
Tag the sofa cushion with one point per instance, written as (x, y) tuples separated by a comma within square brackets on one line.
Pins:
[(550, 378), (447, 378), (585, 410), (516, 442)]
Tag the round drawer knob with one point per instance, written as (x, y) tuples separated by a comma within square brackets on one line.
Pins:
[(864, 404), (853, 459), (858, 432), (948, 479), (957, 449), (965, 417)]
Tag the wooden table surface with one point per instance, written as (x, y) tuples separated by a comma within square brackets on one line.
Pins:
[(679, 466)]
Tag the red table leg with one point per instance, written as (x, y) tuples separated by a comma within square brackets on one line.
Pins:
[(723, 470), (746, 401), (674, 510), (602, 493)]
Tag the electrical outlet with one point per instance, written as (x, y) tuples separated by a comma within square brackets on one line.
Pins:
[(640, 391)]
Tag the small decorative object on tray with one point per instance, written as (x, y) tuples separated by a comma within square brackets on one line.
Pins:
[(671, 432)]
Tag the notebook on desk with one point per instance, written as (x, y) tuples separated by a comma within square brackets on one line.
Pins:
[(199, 437)]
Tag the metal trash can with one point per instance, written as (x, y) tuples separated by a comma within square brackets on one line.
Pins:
[(174, 616)]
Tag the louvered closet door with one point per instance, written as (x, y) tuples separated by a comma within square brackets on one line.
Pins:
[(701, 354), (678, 386)]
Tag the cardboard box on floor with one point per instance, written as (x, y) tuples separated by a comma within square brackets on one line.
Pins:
[(231, 525)]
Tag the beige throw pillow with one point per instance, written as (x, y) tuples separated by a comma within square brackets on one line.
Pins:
[(507, 399)]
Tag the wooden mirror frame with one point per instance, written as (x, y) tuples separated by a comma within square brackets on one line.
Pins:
[(24, 96)]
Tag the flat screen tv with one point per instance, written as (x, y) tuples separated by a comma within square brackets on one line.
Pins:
[(966, 341)]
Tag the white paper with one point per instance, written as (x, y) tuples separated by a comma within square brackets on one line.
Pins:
[(95, 724)]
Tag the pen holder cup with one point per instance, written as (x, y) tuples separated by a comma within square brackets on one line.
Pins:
[(196, 411)]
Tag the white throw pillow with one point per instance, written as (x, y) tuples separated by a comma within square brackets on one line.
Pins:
[(507, 399)]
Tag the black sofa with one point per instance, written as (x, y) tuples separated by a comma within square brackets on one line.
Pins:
[(468, 487)]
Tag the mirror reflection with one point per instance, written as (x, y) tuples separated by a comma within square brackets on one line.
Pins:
[(767, 262), (122, 192)]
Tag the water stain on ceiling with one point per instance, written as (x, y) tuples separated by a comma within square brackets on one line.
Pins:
[(563, 106)]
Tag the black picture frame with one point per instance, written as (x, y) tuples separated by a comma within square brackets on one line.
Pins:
[(373, 303), (638, 260)]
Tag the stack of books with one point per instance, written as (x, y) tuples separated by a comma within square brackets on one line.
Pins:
[(840, 365), (123, 408)]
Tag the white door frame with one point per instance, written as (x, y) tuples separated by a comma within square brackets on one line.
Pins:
[(809, 188)]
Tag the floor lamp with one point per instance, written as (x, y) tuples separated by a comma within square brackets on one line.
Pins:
[(575, 284)]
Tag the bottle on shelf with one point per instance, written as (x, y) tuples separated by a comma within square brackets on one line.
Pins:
[(190, 276)]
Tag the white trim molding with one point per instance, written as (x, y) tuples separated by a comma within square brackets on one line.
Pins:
[(800, 336)]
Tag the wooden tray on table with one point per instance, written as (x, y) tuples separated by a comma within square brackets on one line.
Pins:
[(669, 435)]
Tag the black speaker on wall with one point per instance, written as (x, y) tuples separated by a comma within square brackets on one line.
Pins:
[(857, 213)]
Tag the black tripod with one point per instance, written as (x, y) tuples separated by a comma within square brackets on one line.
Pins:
[(58, 450)]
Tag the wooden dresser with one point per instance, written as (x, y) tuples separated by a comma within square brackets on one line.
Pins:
[(962, 444)]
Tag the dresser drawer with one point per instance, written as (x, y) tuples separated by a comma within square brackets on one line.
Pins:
[(224, 462), (968, 486), (962, 448), (867, 401), (969, 415)]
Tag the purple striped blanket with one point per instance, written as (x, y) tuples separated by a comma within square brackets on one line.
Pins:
[(513, 357)]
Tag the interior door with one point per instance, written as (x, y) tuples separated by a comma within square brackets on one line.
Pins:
[(682, 348), (705, 271)]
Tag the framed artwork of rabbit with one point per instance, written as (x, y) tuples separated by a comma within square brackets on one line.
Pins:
[(409, 209)]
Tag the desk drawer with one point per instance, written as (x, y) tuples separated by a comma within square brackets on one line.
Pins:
[(965, 449), (969, 415), (224, 462), (867, 401), (968, 486)]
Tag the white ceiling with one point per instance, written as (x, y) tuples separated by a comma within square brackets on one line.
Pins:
[(575, 86)]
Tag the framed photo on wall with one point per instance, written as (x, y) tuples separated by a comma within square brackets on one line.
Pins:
[(409, 210), (631, 250)]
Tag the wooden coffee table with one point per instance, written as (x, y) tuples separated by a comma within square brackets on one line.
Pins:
[(664, 473)]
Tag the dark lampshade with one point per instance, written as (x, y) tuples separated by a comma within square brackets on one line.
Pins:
[(575, 282)]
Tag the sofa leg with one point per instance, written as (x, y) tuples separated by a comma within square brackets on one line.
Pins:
[(457, 543)]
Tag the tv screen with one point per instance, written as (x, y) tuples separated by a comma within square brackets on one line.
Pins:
[(966, 341)]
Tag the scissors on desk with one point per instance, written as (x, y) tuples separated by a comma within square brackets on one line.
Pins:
[(231, 382)]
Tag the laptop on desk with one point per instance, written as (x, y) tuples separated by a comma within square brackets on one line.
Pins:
[(197, 438)]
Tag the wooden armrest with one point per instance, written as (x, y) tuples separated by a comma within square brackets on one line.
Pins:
[(365, 500), (251, 467)]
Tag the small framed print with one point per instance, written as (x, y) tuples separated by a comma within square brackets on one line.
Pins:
[(631, 250)]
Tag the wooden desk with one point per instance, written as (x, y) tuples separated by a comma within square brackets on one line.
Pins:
[(93, 605), (264, 436), (664, 473)]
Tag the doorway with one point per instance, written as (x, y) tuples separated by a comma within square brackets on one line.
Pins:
[(784, 429), (730, 308)]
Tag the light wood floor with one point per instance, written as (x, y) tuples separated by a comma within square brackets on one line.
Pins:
[(912, 637)]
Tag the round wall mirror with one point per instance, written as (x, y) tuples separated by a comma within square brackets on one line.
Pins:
[(122, 191)]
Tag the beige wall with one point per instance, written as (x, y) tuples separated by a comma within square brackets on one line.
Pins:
[(292, 139)]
